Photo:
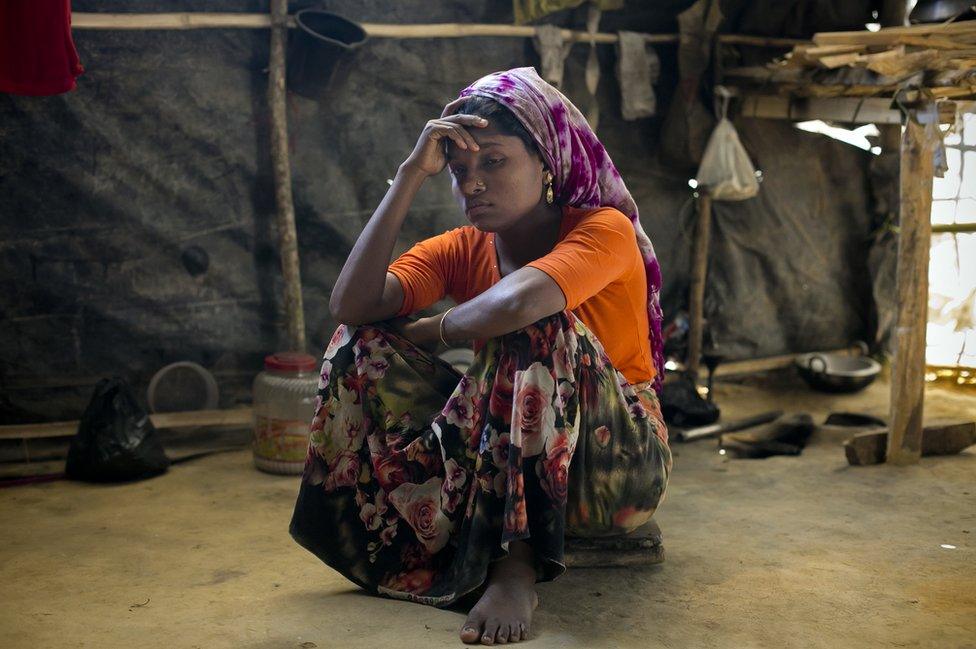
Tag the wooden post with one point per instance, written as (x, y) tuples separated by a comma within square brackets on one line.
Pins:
[(287, 237), (912, 288), (696, 297)]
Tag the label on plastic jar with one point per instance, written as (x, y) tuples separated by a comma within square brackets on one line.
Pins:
[(285, 440)]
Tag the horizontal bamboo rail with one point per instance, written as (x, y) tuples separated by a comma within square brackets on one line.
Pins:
[(953, 228), (203, 20)]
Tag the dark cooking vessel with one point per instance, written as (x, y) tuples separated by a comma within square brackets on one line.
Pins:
[(937, 11), (830, 372)]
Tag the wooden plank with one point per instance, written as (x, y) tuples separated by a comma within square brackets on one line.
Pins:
[(898, 63), (870, 446), (851, 110), (281, 168), (908, 365), (839, 60), (890, 35), (699, 269), (191, 419)]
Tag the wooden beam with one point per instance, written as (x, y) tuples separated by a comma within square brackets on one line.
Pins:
[(962, 30), (194, 418), (281, 166), (873, 110), (699, 270), (869, 447), (850, 110), (908, 365)]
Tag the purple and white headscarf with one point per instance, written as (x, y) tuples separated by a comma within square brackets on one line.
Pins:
[(584, 175)]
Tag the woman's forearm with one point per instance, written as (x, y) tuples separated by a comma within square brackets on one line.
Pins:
[(359, 287), (519, 299)]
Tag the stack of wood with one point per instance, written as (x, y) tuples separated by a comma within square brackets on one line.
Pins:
[(940, 58)]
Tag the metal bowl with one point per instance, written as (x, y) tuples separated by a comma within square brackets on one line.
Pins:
[(837, 373)]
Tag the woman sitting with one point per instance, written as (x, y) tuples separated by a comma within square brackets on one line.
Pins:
[(425, 483)]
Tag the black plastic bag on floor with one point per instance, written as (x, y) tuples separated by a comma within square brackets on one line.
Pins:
[(682, 406), (116, 441)]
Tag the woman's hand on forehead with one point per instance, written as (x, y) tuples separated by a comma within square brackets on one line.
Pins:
[(452, 106)]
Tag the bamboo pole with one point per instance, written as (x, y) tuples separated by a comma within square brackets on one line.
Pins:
[(914, 239), (953, 228), (281, 166), (696, 297), (203, 20)]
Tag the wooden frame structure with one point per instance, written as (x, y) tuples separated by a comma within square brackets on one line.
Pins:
[(916, 174), (921, 110)]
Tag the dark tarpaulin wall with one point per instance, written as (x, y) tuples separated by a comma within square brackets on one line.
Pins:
[(137, 213)]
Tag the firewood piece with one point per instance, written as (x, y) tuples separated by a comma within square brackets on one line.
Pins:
[(899, 64), (840, 60)]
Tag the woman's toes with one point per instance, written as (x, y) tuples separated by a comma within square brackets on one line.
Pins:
[(513, 633), (502, 636), (471, 631), (523, 631), (488, 635)]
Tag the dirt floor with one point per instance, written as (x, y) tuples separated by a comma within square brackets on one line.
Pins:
[(785, 552)]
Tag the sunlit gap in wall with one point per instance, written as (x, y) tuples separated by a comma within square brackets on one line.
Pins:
[(857, 137), (951, 333)]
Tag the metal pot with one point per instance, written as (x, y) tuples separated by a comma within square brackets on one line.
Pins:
[(937, 11), (829, 372)]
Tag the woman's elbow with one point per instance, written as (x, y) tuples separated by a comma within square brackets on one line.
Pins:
[(340, 313)]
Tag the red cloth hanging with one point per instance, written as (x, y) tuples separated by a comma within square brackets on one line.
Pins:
[(37, 55)]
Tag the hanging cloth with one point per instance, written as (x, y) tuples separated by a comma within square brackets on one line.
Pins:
[(552, 49), (37, 54), (637, 70)]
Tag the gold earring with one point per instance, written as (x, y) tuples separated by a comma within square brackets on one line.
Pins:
[(549, 194)]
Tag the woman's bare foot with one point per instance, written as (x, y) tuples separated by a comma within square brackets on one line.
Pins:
[(504, 612)]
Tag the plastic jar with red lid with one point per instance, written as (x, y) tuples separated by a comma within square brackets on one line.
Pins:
[(284, 397)]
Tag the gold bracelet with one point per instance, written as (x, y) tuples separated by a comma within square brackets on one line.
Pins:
[(440, 327)]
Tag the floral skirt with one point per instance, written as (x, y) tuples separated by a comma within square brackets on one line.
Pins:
[(418, 476)]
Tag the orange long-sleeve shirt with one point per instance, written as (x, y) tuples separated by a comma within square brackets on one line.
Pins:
[(595, 262)]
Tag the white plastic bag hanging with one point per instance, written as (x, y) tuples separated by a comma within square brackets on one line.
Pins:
[(726, 172)]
